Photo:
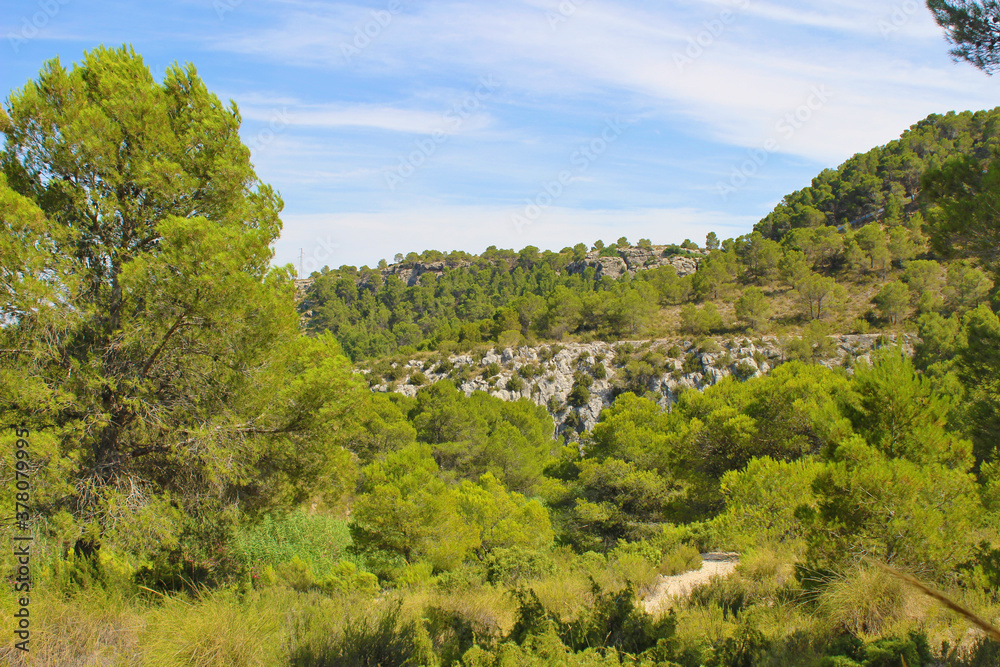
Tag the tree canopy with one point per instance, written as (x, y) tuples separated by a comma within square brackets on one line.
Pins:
[(973, 28), (158, 348)]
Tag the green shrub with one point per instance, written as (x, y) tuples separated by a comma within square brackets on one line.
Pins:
[(613, 621), (859, 326), (623, 354), (342, 577), (319, 542), (516, 564), (692, 363), (515, 384), (743, 370), (710, 346), (746, 647), (547, 353), (461, 578), (731, 594), (528, 371), (683, 558), (578, 396)]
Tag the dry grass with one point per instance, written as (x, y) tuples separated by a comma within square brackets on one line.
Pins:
[(991, 630), (489, 610), (866, 601), (91, 628), (217, 629)]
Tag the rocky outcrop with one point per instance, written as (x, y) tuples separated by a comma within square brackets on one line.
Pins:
[(547, 375), (410, 273), (630, 260)]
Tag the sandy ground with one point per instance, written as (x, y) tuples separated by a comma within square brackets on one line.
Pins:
[(680, 585)]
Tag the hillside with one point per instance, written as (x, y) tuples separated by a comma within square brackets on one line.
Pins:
[(887, 179), (577, 381), (849, 254)]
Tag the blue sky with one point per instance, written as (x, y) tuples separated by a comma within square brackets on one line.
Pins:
[(394, 125)]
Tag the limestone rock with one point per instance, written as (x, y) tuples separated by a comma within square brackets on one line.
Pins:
[(740, 358)]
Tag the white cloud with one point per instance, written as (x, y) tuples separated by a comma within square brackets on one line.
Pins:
[(379, 117), (746, 77)]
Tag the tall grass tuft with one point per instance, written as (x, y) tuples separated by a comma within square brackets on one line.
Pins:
[(217, 629), (864, 601), (380, 639), (92, 627)]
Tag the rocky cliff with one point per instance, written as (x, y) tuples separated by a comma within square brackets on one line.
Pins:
[(630, 260), (552, 375)]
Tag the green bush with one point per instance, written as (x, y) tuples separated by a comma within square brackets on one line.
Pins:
[(578, 396), (683, 558), (319, 542), (743, 371), (516, 564), (342, 577), (528, 371), (692, 363), (710, 346)]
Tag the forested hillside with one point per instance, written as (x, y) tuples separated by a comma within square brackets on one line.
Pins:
[(888, 179), (859, 227), (209, 480)]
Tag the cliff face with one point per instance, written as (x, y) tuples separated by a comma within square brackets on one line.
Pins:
[(410, 273), (630, 260), (547, 375)]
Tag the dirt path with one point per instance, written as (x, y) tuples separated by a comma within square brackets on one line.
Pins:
[(680, 585)]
